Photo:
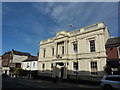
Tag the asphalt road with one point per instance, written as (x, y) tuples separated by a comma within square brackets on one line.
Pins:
[(14, 83)]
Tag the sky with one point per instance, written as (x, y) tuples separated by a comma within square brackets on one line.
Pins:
[(25, 24)]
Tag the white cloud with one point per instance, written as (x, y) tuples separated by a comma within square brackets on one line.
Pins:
[(76, 13)]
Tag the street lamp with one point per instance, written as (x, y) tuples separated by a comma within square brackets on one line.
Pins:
[(76, 51), (29, 66)]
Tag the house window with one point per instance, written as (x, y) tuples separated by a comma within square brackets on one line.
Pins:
[(92, 46), (44, 53), (52, 51), (75, 66), (33, 64), (43, 66), (118, 51), (51, 65), (93, 68), (75, 47), (27, 65), (62, 50)]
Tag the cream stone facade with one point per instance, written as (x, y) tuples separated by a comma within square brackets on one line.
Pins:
[(78, 54)]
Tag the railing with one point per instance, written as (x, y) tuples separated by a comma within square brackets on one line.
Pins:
[(94, 26)]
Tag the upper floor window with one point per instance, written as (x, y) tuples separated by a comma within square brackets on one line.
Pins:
[(93, 68), (62, 50), (75, 46), (44, 53), (52, 51), (92, 46)]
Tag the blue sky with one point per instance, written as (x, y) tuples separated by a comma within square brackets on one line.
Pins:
[(25, 24)]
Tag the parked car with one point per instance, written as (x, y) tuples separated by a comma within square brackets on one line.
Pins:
[(5, 75), (110, 82)]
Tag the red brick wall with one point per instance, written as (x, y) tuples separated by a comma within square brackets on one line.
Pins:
[(112, 53), (5, 60)]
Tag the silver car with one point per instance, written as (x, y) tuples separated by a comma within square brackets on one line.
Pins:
[(110, 82)]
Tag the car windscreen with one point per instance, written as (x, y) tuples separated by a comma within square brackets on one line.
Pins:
[(113, 78)]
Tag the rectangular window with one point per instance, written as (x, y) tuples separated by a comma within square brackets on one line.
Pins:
[(43, 66), (33, 64), (119, 52), (62, 50), (51, 65), (52, 51), (75, 66), (44, 53), (93, 68), (28, 65), (92, 46), (75, 47)]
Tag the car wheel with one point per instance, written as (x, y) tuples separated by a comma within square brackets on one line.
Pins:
[(108, 87)]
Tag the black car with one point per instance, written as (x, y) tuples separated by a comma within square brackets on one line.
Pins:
[(5, 75)]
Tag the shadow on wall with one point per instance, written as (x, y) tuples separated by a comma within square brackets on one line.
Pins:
[(70, 75)]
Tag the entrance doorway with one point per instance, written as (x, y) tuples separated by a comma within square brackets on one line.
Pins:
[(60, 69), (62, 72)]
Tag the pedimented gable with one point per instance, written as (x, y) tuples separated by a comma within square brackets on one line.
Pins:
[(61, 34)]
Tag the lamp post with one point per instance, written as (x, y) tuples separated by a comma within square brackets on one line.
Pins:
[(76, 51), (29, 75)]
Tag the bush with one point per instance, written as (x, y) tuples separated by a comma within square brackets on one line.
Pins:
[(17, 71), (34, 74), (108, 69), (24, 72), (20, 72)]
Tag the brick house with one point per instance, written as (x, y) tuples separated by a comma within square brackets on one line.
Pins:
[(113, 54), (12, 59)]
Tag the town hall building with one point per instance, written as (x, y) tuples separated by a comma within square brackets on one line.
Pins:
[(77, 54)]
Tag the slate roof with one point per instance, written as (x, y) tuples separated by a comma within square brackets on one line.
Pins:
[(111, 41), (32, 58), (18, 53)]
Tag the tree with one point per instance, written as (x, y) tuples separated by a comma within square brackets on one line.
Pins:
[(17, 71), (20, 72)]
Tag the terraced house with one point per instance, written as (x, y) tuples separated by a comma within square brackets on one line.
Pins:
[(78, 54)]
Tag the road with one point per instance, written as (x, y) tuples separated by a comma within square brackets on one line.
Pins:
[(28, 83)]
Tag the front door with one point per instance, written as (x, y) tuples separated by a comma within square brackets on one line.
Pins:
[(62, 72)]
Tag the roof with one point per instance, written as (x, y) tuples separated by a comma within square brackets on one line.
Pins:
[(18, 53), (32, 58), (111, 41)]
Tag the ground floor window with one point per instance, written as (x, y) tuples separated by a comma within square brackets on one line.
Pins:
[(93, 68), (75, 66), (43, 67), (52, 67)]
